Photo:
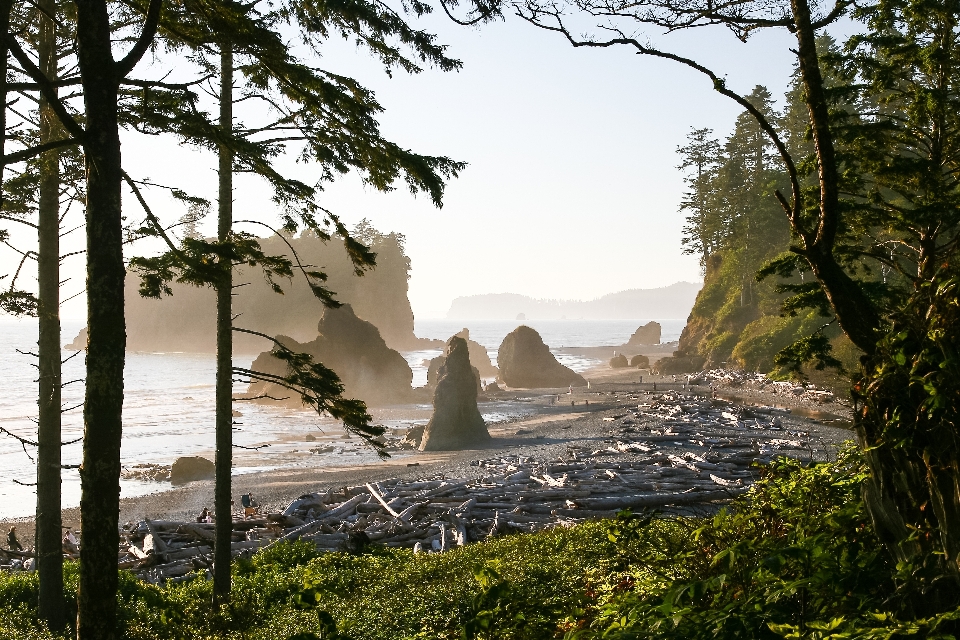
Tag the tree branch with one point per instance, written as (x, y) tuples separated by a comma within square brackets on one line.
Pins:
[(47, 89), (147, 34), (32, 152)]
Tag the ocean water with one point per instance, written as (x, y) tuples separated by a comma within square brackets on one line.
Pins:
[(168, 407)]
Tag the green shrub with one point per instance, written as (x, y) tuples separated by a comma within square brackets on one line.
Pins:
[(796, 557)]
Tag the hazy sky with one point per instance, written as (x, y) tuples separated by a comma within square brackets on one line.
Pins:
[(572, 190)]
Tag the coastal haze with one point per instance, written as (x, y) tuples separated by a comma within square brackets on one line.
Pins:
[(169, 381), (674, 302)]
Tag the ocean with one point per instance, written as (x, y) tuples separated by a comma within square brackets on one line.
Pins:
[(168, 407)]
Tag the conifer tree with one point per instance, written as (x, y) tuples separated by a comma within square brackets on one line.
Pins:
[(33, 194), (333, 118), (875, 191), (333, 108)]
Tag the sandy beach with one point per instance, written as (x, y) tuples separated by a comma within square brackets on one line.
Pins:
[(579, 421)]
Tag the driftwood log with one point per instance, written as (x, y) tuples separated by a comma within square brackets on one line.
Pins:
[(672, 451)]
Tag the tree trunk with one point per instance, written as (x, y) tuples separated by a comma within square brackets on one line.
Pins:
[(100, 471), (48, 520), (224, 393), (6, 6), (855, 312)]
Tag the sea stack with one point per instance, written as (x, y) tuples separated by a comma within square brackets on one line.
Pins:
[(456, 422), (369, 369), (647, 334), (479, 357), (526, 362), (433, 373)]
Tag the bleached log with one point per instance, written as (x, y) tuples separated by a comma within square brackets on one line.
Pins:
[(379, 498), (305, 503), (341, 510), (201, 533), (157, 545), (191, 552), (136, 552)]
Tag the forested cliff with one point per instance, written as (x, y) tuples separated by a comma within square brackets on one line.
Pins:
[(185, 321), (736, 226)]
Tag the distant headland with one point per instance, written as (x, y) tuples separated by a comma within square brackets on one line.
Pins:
[(672, 302)]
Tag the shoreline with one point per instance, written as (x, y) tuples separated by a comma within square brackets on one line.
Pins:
[(552, 432)]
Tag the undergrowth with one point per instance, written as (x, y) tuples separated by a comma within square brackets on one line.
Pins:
[(796, 557)]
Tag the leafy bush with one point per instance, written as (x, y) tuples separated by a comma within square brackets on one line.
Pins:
[(796, 557)]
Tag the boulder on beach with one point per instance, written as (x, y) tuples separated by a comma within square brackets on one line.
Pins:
[(679, 364), (526, 362), (456, 422), (190, 469), (492, 387), (640, 361), (619, 361), (369, 369), (647, 334)]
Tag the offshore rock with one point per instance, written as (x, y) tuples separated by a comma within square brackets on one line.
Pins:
[(479, 357), (190, 469), (619, 361), (525, 361), (369, 369), (647, 334), (456, 422), (79, 343), (433, 373)]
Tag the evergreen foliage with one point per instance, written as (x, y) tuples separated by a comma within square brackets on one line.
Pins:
[(734, 223), (796, 557)]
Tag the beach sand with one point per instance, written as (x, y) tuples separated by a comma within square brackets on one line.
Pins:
[(555, 429)]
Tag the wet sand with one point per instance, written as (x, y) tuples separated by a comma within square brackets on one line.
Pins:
[(576, 421)]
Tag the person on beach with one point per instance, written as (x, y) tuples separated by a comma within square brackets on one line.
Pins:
[(204, 515), (249, 505), (69, 543), (12, 542)]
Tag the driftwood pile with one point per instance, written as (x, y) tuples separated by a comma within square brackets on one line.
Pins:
[(692, 452), (712, 426), (668, 450), (11, 560), (806, 392)]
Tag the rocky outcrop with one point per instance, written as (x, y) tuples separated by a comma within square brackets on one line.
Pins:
[(619, 361), (679, 364), (493, 387), (647, 334), (79, 343), (186, 320), (479, 357), (433, 373), (525, 361), (640, 361), (456, 422), (353, 348), (190, 469)]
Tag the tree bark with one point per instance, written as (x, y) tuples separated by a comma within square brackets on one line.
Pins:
[(100, 471), (224, 391), (855, 312), (6, 6), (48, 519)]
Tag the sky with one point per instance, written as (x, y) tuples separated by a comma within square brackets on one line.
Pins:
[(572, 189)]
